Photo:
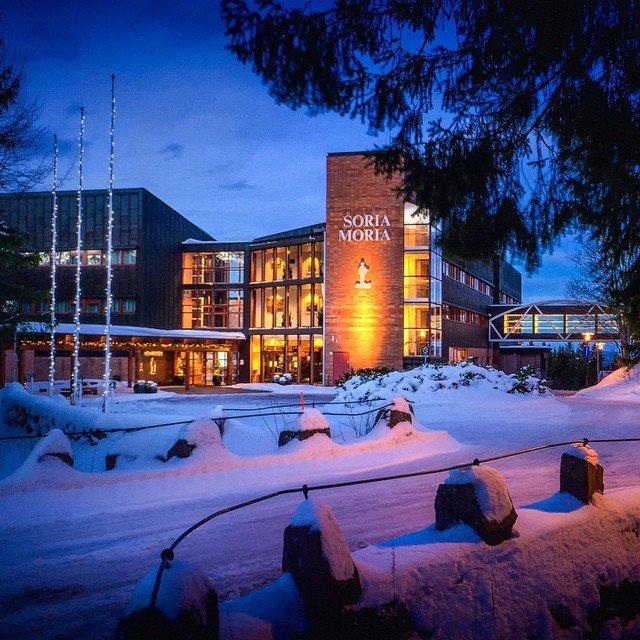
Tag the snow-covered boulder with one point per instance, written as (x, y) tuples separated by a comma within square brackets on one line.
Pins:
[(581, 473), (186, 607), (55, 445), (399, 411), (49, 463), (318, 557), (476, 496), (203, 433), (217, 415), (307, 424)]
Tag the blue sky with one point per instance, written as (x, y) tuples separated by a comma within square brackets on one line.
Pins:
[(193, 125)]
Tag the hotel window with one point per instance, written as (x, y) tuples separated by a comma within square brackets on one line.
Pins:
[(197, 309), (129, 305), (517, 323), (257, 298), (257, 266), (64, 306), (228, 266), (416, 276), (123, 256), (66, 258), (92, 258), (227, 308), (197, 268), (307, 261), (416, 235), (91, 305), (129, 256), (293, 262)]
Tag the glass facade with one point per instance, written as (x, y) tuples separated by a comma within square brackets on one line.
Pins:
[(286, 311), (213, 295), (422, 287)]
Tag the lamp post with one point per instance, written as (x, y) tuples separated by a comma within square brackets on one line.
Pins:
[(585, 352), (599, 348)]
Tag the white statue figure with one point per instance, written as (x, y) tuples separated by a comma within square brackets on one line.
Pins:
[(363, 269)]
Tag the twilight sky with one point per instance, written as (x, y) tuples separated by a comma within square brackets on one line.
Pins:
[(193, 125)]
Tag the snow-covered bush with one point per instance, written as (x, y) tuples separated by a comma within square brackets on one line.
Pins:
[(526, 382), (423, 380)]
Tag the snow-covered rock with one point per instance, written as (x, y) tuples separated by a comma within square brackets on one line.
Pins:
[(491, 489), (309, 423), (318, 557), (476, 496), (581, 473), (50, 462), (186, 606)]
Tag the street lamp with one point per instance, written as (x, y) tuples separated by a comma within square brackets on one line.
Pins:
[(585, 352), (599, 348)]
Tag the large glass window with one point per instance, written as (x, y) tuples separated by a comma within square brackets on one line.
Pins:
[(416, 275), (211, 308)]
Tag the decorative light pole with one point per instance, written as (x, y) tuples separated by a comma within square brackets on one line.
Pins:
[(75, 377), (109, 298), (54, 242)]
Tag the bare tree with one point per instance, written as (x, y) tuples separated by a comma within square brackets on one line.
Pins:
[(605, 278), (21, 163)]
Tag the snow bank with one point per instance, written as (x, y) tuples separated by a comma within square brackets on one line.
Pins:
[(491, 490), (421, 382), (622, 385), (21, 410), (317, 515), (541, 583)]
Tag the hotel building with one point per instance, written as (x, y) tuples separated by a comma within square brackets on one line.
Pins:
[(368, 287)]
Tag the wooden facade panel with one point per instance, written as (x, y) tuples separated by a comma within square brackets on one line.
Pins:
[(465, 297)]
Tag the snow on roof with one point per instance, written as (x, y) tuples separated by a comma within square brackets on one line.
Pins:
[(134, 332)]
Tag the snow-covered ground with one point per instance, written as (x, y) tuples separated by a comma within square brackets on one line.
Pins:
[(76, 541)]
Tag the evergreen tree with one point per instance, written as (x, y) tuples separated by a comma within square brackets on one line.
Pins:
[(567, 368), (13, 294), (513, 121)]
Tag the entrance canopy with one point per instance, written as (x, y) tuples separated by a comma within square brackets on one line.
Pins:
[(553, 321), (123, 331)]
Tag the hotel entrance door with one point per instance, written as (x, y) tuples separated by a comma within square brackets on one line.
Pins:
[(209, 368)]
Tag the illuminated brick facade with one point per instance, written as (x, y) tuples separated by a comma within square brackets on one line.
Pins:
[(363, 303)]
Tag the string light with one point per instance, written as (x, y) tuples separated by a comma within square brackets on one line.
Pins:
[(75, 378), (109, 301), (54, 242)]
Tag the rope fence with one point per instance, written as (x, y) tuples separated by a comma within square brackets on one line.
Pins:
[(261, 412), (167, 554)]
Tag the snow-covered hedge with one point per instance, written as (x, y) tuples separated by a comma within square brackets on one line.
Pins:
[(430, 378), (33, 414)]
